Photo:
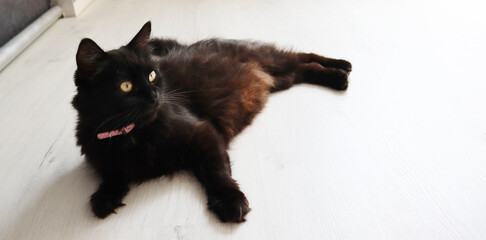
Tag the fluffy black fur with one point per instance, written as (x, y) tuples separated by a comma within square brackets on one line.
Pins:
[(203, 95)]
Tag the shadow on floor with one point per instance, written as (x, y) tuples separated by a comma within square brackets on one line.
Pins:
[(61, 211), (61, 204)]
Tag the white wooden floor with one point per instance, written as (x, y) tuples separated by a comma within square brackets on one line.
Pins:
[(400, 155)]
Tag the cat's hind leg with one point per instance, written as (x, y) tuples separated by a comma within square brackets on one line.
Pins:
[(283, 81), (326, 62), (314, 73)]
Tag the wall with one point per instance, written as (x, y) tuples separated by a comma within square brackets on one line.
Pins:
[(15, 15)]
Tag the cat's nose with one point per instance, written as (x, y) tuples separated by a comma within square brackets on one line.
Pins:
[(153, 97)]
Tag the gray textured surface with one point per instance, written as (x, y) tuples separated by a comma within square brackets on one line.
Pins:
[(11, 49), (15, 15)]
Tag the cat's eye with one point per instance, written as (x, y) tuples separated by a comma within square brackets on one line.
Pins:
[(126, 86), (152, 76)]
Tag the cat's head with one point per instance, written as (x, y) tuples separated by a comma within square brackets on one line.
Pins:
[(118, 86)]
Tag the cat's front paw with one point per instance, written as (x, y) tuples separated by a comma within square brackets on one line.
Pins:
[(229, 206), (104, 204)]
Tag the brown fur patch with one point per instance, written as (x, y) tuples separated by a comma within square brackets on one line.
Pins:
[(254, 84), (266, 78)]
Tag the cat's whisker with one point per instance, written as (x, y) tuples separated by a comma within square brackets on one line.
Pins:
[(168, 93), (129, 118), (133, 117), (174, 98), (107, 121), (177, 99), (122, 116)]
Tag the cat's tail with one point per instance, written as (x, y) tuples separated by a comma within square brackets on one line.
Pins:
[(314, 69)]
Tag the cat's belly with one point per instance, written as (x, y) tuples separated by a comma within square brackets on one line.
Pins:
[(224, 90), (249, 100)]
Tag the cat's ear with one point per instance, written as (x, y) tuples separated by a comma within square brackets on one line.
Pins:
[(142, 38), (89, 56)]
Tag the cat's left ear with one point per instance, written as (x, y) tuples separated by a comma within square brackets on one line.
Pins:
[(142, 38)]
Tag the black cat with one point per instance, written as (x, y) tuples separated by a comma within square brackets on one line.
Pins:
[(154, 107)]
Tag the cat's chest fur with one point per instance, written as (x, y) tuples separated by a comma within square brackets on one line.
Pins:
[(146, 152)]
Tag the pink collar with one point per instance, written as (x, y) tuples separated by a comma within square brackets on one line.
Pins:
[(117, 132)]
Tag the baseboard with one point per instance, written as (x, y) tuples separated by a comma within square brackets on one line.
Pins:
[(17, 44), (72, 8)]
